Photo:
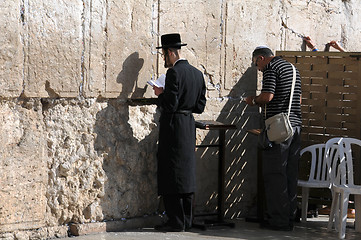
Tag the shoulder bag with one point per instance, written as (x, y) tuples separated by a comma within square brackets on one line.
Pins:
[(279, 127)]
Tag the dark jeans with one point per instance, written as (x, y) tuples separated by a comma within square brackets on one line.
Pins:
[(280, 173), (178, 208)]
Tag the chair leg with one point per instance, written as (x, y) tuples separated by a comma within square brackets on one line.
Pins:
[(343, 215), (334, 208), (305, 194), (358, 213)]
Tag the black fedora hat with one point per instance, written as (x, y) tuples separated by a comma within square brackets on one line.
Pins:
[(172, 40)]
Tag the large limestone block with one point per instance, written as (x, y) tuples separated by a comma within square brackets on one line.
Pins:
[(11, 57), (350, 27), (130, 55), (322, 21), (200, 26), (23, 174), (95, 42), (54, 48), (245, 29)]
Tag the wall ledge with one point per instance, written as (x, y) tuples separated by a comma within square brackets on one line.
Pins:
[(79, 229)]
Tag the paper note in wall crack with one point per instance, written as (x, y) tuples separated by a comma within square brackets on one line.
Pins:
[(160, 82)]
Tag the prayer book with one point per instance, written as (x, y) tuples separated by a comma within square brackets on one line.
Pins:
[(160, 82)]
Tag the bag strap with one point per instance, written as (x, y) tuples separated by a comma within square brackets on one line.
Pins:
[(292, 89)]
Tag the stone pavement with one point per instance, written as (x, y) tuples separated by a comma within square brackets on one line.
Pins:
[(315, 228)]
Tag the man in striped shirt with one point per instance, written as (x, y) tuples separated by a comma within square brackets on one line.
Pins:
[(280, 162)]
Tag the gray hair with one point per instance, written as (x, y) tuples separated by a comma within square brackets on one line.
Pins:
[(264, 51)]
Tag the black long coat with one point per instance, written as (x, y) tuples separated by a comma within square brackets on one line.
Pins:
[(184, 90)]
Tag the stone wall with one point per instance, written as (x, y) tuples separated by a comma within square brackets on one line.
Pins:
[(74, 151)]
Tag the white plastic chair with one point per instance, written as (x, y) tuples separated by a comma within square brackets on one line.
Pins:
[(322, 156), (342, 186)]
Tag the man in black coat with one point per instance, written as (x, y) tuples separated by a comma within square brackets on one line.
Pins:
[(183, 94)]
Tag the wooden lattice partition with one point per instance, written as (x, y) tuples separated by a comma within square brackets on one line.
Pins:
[(331, 96)]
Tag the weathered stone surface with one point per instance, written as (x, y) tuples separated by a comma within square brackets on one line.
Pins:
[(142, 125), (95, 47), (349, 34), (54, 48), (204, 37), (81, 154), (129, 161), (11, 50), (76, 177), (129, 47), (99, 167), (245, 30), (23, 173), (328, 27)]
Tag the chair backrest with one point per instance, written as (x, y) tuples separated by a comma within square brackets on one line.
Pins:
[(322, 156), (318, 165), (344, 175), (332, 156)]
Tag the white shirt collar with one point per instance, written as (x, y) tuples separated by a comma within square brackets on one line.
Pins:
[(180, 59)]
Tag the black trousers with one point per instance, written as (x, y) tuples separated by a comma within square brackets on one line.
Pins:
[(280, 173), (178, 208)]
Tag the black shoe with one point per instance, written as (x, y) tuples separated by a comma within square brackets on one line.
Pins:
[(266, 225), (168, 228)]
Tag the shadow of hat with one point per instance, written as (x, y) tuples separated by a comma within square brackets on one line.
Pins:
[(172, 40)]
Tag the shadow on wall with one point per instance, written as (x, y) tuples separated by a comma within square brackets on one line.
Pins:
[(128, 77), (241, 148), (130, 164)]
